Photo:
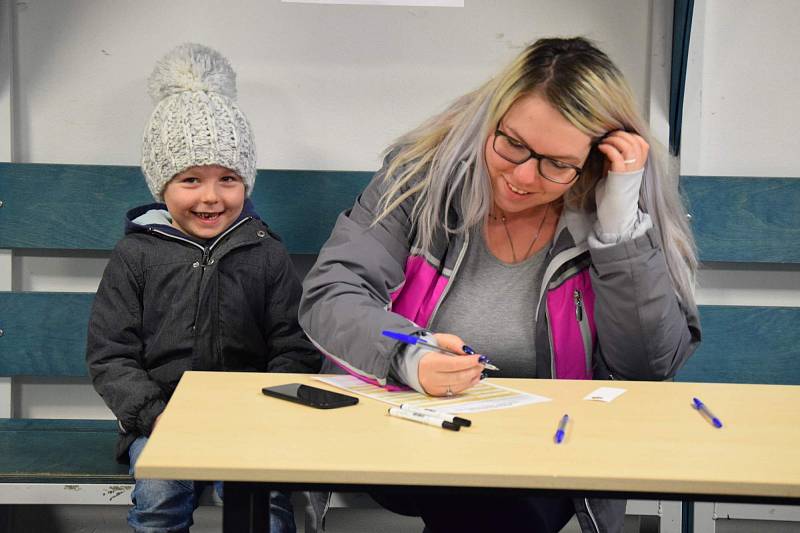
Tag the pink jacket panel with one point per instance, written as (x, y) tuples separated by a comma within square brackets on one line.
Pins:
[(568, 351), (418, 296)]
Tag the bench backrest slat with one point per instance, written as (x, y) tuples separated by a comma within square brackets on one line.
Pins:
[(81, 207), (745, 220), (44, 333), (748, 222), (746, 345)]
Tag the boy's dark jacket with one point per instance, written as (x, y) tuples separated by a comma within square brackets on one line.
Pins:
[(168, 303)]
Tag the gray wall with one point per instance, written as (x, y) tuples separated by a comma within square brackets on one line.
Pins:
[(328, 87), (324, 86)]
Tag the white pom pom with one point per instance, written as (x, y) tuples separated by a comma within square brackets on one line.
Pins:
[(192, 67)]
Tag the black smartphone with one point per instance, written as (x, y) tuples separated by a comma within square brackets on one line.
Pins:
[(308, 395)]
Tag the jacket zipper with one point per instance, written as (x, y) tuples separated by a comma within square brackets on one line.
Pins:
[(178, 238), (554, 265), (461, 254), (550, 342), (205, 258), (583, 325), (591, 516), (204, 262)]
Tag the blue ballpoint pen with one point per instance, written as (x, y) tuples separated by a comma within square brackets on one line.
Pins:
[(700, 406), (562, 429), (413, 339)]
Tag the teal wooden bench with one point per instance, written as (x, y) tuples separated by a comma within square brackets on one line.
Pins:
[(745, 223), (79, 209), (67, 209)]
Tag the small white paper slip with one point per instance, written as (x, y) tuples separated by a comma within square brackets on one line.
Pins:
[(604, 394)]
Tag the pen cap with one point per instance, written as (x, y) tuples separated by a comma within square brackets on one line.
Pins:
[(402, 337), (462, 421)]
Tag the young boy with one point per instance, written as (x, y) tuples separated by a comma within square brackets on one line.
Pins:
[(197, 284)]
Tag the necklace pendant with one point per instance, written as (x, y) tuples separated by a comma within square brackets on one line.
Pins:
[(535, 237)]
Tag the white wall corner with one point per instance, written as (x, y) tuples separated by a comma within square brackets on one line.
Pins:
[(692, 121), (5, 285), (660, 62), (5, 398), (6, 79), (6, 278)]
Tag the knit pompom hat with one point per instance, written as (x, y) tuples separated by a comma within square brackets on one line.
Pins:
[(196, 120)]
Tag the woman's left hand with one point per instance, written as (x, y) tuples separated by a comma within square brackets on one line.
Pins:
[(617, 194), (625, 152)]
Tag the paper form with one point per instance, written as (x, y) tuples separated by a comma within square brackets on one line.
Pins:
[(484, 396)]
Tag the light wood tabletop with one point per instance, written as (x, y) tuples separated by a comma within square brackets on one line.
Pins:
[(219, 426)]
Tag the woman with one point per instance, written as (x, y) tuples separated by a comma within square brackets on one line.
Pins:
[(532, 219)]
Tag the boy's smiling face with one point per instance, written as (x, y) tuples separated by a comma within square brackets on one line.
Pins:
[(204, 201)]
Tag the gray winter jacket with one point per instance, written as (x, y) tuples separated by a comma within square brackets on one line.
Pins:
[(604, 312)]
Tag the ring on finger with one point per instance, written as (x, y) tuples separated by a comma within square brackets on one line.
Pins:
[(630, 161), (449, 392)]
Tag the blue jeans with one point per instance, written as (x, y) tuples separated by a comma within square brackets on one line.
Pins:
[(167, 506)]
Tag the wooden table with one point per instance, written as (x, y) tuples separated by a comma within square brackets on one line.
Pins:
[(648, 443)]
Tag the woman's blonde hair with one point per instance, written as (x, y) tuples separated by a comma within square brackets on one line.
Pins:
[(444, 157)]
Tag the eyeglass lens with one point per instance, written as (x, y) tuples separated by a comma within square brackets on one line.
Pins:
[(518, 153)]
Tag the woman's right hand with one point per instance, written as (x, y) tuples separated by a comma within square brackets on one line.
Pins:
[(446, 375)]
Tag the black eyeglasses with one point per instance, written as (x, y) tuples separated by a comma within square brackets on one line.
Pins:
[(515, 152)]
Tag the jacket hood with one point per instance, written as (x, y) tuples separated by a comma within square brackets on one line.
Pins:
[(156, 216), (573, 229)]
